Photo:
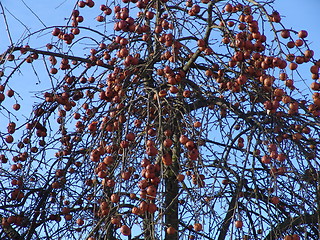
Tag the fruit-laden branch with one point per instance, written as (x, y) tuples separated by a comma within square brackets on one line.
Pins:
[(194, 231), (48, 53), (106, 220), (10, 231), (194, 57)]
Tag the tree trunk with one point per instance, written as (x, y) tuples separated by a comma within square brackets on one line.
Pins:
[(172, 190)]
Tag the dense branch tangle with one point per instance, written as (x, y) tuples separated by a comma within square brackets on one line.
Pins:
[(181, 124)]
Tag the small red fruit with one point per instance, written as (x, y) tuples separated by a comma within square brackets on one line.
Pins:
[(125, 230), (171, 230), (238, 224)]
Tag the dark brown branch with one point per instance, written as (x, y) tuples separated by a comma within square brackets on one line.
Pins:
[(59, 55), (292, 222)]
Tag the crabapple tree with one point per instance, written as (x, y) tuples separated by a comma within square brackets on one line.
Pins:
[(160, 119)]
